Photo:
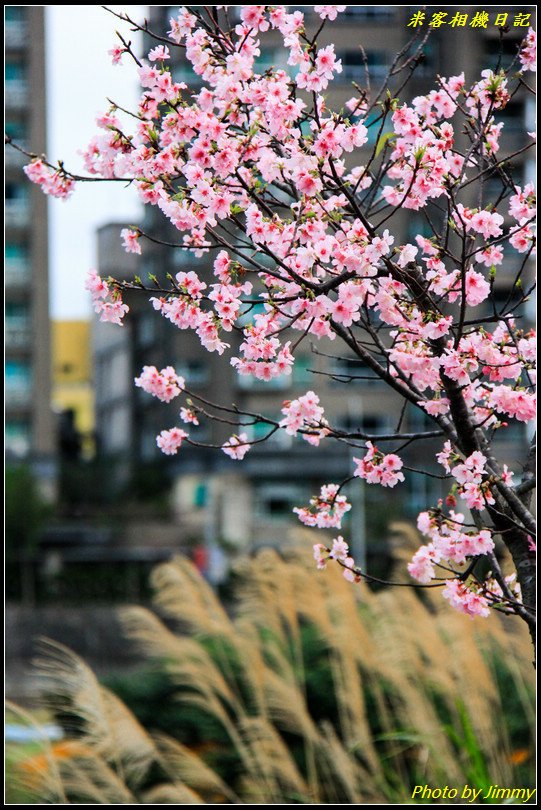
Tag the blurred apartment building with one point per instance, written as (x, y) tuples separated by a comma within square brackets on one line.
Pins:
[(29, 421), (248, 503)]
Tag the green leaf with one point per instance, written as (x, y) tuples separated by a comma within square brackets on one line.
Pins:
[(383, 141)]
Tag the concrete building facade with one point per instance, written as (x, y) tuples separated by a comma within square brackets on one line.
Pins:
[(30, 428)]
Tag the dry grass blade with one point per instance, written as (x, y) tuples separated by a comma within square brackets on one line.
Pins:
[(273, 767), (181, 594), (176, 793), (182, 764)]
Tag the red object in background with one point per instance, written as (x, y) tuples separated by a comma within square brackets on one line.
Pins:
[(200, 558)]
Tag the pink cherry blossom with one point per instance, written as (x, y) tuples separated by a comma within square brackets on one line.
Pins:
[(159, 53), (164, 384), (377, 468), (116, 53), (130, 241), (528, 51), (236, 447), (189, 416), (329, 12), (170, 441), (326, 510), (465, 600), (477, 288)]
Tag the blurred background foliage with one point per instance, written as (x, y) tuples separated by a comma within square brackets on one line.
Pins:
[(308, 691), (26, 511)]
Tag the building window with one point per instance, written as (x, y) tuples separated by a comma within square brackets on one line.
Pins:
[(195, 372), (276, 501), (15, 72), (349, 370), (199, 433), (179, 258), (376, 14), (18, 437), (502, 299), (279, 439), (184, 72), (200, 495), (302, 371), (270, 58), (373, 125), (17, 314), (15, 13), (248, 383), (146, 332), (17, 130), (512, 116), (508, 48), (17, 205), (17, 266), (373, 424), (428, 61), (354, 66), (17, 325), (16, 86), (148, 447), (18, 376), (420, 421), (417, 225)]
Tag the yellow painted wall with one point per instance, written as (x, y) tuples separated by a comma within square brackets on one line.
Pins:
[(72, 376)]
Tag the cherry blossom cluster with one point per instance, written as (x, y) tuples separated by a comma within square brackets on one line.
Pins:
[(510, 582), (473, 484), (51, 182), (466, 598), (170, 441), (379, 468), (450, 543), (107, 302), (306, 415), (326, 510), (479, 361), (340, 552), (165, 384), (236, 447), (131, 241), (528, 51), (189, 416), (489, 94)]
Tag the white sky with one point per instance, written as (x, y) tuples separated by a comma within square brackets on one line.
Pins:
[(80, 77)]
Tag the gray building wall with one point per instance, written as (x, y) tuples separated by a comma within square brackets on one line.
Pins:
[(30, 426)]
